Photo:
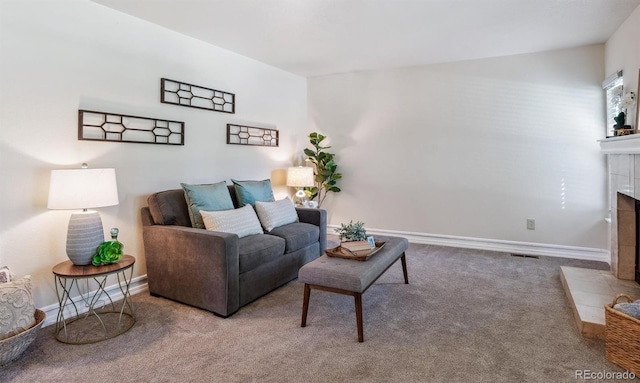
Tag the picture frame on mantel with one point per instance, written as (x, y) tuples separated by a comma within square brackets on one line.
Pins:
[(637, 103)]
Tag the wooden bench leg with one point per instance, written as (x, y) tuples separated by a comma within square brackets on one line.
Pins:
[(404, 269), (305, 305), (358, 301)]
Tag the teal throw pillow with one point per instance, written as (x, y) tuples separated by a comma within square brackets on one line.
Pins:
[(207, 197), (248, 192)]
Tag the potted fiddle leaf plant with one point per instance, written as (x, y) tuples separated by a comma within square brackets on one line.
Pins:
[(325, 173)]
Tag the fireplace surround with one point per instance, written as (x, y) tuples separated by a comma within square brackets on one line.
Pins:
[(589, 290), (637, 241), (623, 168), (626, 223)]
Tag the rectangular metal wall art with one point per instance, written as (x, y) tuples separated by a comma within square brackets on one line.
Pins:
[(250, 135), (101, 126), (194, 96)]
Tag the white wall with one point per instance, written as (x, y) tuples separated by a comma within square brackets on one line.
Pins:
[(61, 56), (471, 149), (622, 51)]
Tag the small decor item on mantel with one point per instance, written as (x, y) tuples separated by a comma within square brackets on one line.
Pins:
[(638, 103), (627, 101), (109, 252)]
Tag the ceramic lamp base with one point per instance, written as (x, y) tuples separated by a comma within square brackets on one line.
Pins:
[(84, 235), (300, 198)]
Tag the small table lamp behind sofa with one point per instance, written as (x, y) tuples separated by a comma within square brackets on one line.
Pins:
[(300, 177)]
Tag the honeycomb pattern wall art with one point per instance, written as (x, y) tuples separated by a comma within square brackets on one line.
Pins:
[(101, 126), (250, 135), (194, 96)]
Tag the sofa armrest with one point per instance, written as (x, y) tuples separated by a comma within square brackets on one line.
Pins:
[(194, 266), (316, 217)]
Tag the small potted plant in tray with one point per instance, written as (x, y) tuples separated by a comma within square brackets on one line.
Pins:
[(353, 236)]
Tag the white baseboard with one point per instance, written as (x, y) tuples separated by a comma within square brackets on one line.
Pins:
[(528, 248), (138, 285)]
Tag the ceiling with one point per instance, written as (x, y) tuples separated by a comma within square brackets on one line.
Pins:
[(319, 37)]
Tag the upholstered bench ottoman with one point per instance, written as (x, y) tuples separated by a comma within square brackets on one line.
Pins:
[(351, 277)]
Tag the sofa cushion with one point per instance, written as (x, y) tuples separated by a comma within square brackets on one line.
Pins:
[(248, 192), (297, 235), (276, 214), (207, 197), (256, 250), (242, 221), (169, 208), (17, 311)]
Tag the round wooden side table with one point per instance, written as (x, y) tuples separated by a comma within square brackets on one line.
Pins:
[(103, 318)]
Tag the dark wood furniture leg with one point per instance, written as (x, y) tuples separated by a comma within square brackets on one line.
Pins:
[(404, 269), (357, 297), (305, 305)]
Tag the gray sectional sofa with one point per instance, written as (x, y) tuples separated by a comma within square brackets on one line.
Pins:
[(217, 271)]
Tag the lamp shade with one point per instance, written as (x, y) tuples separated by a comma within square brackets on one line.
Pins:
[(300, 176), (82, 188)]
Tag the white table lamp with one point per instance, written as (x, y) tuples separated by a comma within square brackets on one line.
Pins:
[(74, 189), (300, 177)]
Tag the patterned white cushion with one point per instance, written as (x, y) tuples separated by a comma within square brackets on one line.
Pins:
[(242, 221), (5, 274), (17, 312), (276, 214)]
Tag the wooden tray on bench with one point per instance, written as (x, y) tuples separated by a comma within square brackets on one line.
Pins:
[(362, 255)]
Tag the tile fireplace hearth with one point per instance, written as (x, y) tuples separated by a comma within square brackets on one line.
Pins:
[(589, 290)]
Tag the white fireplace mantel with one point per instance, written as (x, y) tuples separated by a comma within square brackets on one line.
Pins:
[(629, 144)]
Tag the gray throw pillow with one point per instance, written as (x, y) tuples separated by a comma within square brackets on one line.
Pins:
[(632, 309), (208, 197)]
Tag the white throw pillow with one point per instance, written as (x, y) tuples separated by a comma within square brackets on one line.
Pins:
[(17, 312), (276, 214), (242, 221)]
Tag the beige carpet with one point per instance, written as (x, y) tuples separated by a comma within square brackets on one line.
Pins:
[(466, 316)]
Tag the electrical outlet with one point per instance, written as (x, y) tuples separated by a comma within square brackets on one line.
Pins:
[(531, 224)]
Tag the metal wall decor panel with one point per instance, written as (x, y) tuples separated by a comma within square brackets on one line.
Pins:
[(195, 96), (102, 126), (250, 135)]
